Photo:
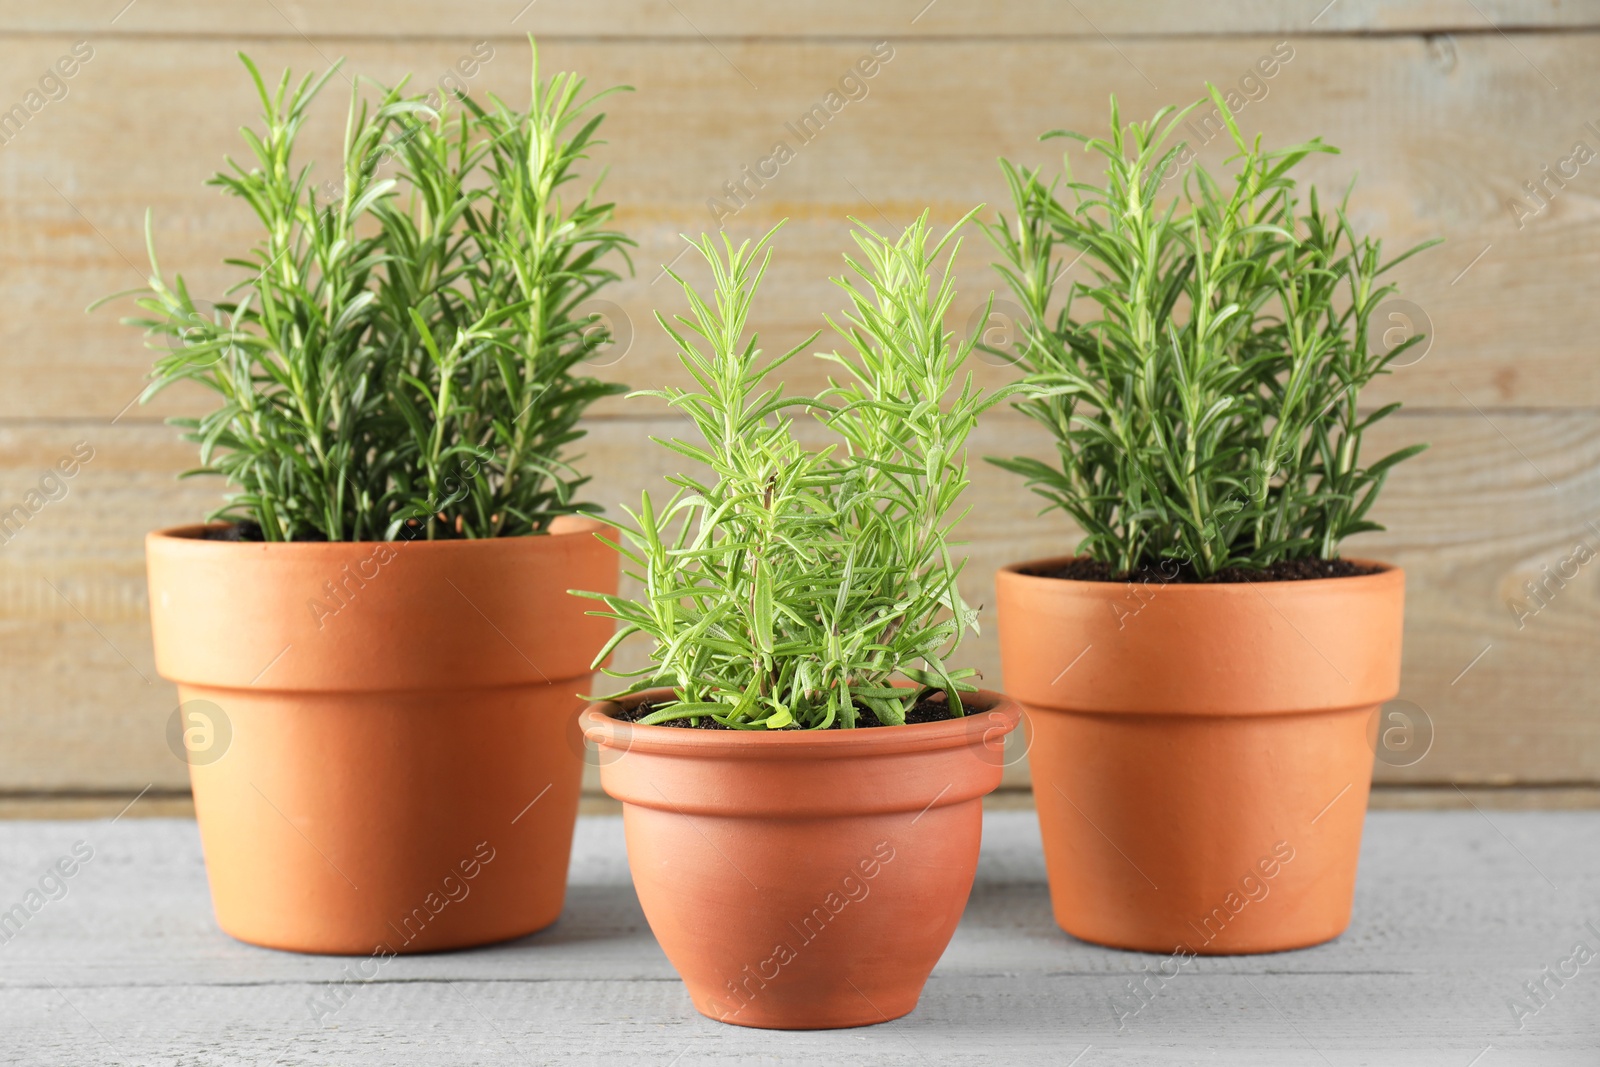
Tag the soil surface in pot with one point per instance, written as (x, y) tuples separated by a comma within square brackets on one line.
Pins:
[(246, 531), (933, 708), (1288, 570), (249, 531)]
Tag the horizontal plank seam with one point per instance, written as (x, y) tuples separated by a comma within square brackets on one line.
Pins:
[(1512, 787), (174, 793), (339, 980), (1478, 29), (290, 983)]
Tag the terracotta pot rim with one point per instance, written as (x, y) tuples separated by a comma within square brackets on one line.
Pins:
[(1388, 573), (190, 535), (976, 727), (349, 616), (1254, 648)]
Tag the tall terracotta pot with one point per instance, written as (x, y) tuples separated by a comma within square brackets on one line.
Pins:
[(1200, 753), (804, 880), (382, 737)]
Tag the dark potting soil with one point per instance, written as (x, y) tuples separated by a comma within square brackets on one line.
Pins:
[(249, 531), (235, 531), (933, 708), (1288, 570)]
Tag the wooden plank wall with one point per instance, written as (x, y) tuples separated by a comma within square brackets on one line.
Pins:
[(1444, 108)]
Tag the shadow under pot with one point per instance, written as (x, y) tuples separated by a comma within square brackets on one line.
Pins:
[(803, 879), (1201, 754), (382, 737)]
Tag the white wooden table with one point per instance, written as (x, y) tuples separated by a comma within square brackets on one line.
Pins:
[(1454, 912)]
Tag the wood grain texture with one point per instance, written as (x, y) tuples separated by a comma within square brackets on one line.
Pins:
[(828, 18), (1444, 117), (1452, 915), (1442, 132), (1471, 520), (80, 804)]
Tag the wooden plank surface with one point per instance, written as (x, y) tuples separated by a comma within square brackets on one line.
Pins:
[(1385, 796), (1453, 913), (1471, 521), (698, 19), (1442, 134), (1444, 117)]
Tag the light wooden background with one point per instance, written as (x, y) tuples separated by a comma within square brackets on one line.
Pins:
[(1444, 108)]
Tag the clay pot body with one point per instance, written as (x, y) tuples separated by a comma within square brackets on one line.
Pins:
[(1201, 754), (382, 736), (804, 880)]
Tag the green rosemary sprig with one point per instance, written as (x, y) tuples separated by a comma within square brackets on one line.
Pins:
[(401, 360), (792, 586), (1203, 388)]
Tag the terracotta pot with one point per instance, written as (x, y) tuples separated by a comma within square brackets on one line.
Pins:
[(804, 880), (382, 742), (1200, 753)]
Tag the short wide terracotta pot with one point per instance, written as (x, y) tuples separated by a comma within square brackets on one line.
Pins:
[(804, 880), (1200, 753), (382, 737)]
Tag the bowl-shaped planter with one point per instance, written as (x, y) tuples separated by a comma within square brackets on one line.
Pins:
[(805, 879), (397, 763), (1200, 752)]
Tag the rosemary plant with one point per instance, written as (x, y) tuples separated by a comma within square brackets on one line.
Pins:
[(1205, 402), (791, 587), (400, 359)]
